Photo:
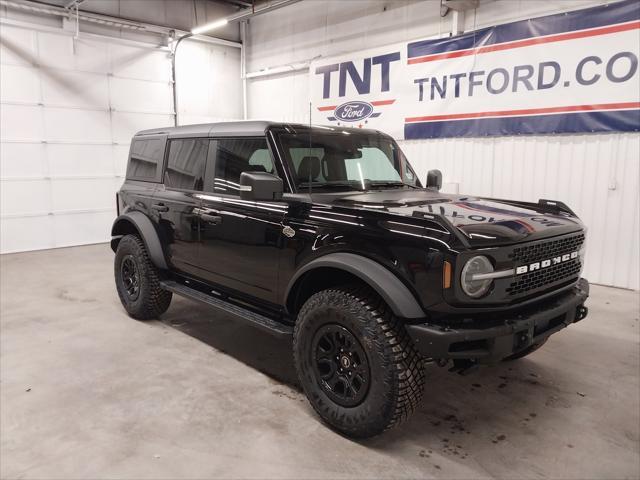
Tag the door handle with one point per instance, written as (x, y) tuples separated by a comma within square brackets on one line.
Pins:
[(214, 219), (160, 207)]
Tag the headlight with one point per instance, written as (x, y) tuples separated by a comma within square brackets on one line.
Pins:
[(471, 279)]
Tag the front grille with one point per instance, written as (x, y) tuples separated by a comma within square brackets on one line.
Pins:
[(556, 274), (531, 253), (540, 278)]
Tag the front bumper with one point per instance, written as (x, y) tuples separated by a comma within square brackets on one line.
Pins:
[(506, 336)]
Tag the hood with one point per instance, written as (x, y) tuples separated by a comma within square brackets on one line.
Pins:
[(483, 222)]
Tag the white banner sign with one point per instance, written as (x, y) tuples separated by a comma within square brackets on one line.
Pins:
[(574, 72)]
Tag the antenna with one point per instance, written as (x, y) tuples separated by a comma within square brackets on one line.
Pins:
[(309, 152)]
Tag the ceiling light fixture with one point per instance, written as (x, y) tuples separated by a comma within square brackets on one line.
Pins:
[(210, 26)]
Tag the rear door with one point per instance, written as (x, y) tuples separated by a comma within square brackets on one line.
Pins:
[(175, 202), (241, 240)]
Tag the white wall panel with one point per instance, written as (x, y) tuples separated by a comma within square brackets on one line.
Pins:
[(23, 160), (280, 97), (119, 154), (26, 233), (18, 46), (73, 194), (504, 11), (142, 63), (90, 226), (21, 123), (321, 28), (78, 126), (141, 95), (19, 84), (208, 83), (61, 51), (24, 197), (81, 160), (69, 110), (126, 124), (74, 89)]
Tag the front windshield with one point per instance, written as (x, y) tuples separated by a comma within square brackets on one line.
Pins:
[(346, 160)]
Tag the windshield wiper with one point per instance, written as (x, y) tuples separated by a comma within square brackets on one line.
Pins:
[(356, 185), (351, 185), (391, 183)]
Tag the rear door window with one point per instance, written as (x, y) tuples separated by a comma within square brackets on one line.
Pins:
[(145, 159)]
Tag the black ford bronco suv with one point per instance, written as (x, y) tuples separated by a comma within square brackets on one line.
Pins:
[(326, 235)]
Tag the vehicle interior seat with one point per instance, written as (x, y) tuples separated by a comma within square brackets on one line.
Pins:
[(309, 169)]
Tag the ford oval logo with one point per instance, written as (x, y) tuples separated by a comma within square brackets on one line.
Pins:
[(353, 111)]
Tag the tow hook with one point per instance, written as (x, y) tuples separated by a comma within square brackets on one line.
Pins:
[(581, 312)]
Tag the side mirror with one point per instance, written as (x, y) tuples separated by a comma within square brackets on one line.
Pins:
[(260, 186), (434, 179)]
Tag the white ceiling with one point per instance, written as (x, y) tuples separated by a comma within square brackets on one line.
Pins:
[(179, 14)]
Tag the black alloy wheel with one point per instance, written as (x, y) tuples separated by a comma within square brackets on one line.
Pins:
[(130, 276), (341, 365), (138, 280), (355, 361)]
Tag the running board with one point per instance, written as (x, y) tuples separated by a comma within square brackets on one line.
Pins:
[(255, 319)]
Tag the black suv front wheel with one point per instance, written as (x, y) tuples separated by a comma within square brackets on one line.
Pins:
[(138, 281), (355, 361)]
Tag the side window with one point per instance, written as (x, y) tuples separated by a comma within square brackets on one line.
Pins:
[(145, 160), (185, 163), (236, 155), (261, 158), (408, 174)]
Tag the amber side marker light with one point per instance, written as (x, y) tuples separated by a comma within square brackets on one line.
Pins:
[(446, 275)]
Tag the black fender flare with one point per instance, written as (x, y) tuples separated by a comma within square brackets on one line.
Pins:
[(147, 232), (382, 280)]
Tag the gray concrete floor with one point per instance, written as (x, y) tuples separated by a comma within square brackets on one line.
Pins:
[(87, 392)]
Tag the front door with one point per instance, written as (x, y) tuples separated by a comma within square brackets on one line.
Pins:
[(241, 240)]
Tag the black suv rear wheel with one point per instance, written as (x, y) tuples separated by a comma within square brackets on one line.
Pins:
[(355, 361), (138, 281)]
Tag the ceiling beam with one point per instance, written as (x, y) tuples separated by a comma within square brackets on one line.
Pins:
[(236, 3), (73, 3)]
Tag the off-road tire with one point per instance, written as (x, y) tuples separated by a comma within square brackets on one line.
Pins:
[(152, 300), (396, 368), (527, 351)]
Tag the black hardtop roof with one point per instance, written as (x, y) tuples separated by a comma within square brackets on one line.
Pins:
[(246, 128)]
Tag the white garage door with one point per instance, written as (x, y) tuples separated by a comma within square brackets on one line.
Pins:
[(69, 109)]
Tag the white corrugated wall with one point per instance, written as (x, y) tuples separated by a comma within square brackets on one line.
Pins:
[(596, 174)]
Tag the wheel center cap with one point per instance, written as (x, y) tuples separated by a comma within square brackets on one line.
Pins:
[(345, 362)]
